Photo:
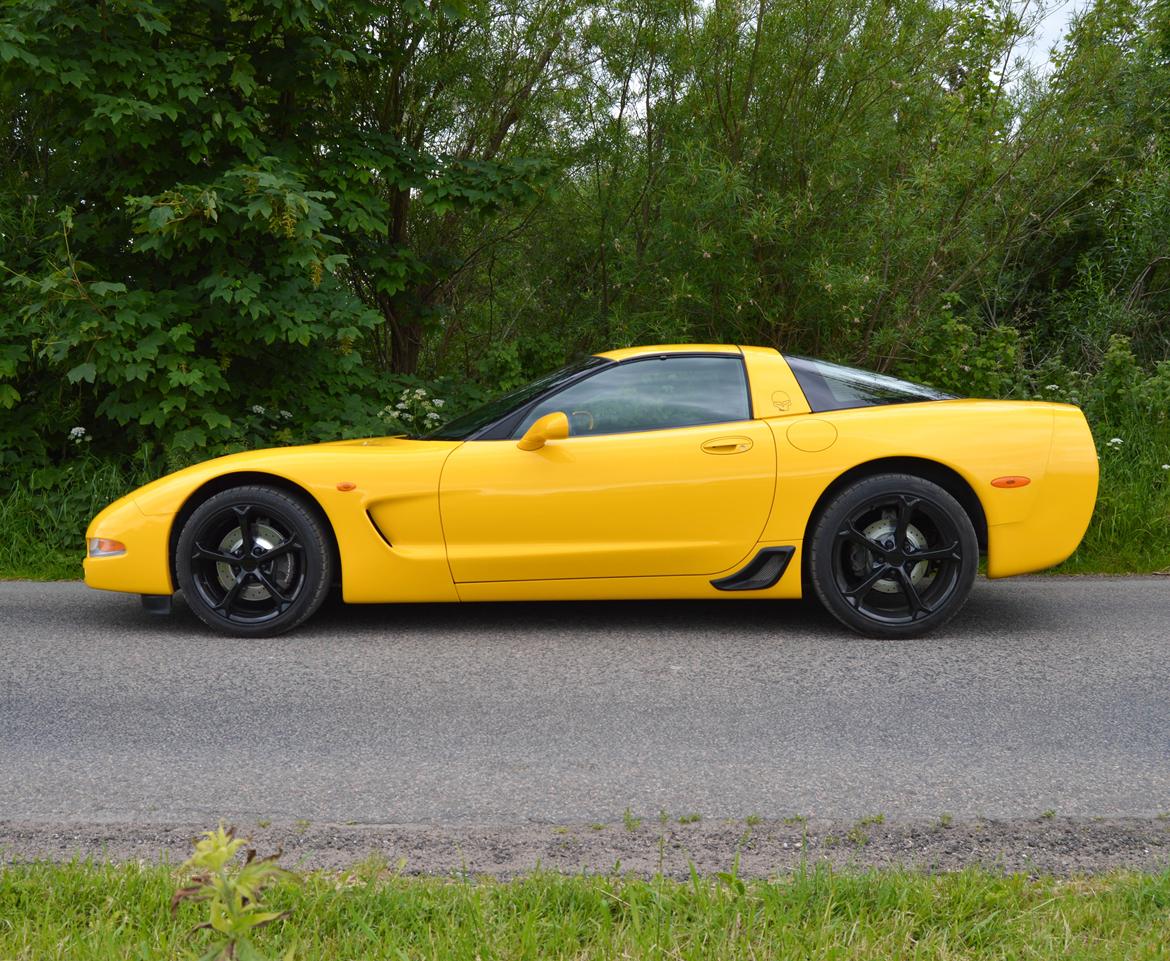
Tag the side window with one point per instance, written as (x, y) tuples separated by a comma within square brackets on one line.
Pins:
[(833, 387), (651, 394)]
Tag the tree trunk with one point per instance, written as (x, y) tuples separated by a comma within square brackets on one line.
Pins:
[(406, 338)]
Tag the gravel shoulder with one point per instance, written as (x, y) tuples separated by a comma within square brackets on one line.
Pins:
[(1037, 846)]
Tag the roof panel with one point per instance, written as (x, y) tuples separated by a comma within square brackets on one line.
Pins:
[(625, 353)]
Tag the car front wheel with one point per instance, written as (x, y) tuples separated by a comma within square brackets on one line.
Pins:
[(253, 561), (893, 555)]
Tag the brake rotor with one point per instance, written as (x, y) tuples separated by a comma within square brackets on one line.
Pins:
[(882, 531), (265, 537)]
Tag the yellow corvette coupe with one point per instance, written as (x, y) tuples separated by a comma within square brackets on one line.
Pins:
[(700, 471)]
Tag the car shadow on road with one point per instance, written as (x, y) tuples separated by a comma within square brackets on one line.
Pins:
[(989, 612), (580, 616), (349, 620)]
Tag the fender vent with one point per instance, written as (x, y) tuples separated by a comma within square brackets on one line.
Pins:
[(381, 533), (761, 572)]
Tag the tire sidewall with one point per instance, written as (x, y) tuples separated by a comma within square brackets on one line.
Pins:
[(307, 527), (821, 553)]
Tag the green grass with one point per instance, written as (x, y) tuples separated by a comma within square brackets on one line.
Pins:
[(1130, 530), (101, 912), (52, 565), (43, 517)]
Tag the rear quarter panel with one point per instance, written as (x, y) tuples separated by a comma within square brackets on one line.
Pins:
[(1029, 528)]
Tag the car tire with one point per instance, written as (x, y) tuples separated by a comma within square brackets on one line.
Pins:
[(254, 561), (893, 556)]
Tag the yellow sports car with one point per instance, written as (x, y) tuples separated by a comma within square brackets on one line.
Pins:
[(700, 471)]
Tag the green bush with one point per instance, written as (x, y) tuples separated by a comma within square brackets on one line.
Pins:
[(1128, 408)]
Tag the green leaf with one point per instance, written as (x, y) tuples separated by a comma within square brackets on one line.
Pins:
[(102, 287), (86, 372), (190, 438), (160, 216)]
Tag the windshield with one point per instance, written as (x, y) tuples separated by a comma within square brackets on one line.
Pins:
[(833, 387), (466, 425)]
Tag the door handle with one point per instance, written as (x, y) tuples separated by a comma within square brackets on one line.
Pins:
[(727, 445)]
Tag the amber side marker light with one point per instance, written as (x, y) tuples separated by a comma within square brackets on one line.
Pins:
[(346, 486), (104, 547), (1013, 481)]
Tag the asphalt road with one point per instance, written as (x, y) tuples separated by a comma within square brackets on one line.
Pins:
[(1046, 693)]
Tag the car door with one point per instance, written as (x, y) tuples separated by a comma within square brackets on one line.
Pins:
[(664, 473)]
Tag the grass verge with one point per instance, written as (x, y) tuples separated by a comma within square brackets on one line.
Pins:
[(43, 517), (1130, 530), (80, 911)]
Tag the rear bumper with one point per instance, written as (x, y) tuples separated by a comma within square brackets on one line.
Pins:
[(1061, 509)]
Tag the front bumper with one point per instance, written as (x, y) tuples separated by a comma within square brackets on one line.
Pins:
[(145, 567)]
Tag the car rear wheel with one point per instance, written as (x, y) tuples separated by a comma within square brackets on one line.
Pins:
[(253, 561), (893, 556)]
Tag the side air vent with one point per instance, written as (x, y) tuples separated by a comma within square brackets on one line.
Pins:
[(381, 533), (761, 572)]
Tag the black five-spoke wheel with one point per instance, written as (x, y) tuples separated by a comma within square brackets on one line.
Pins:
[(893, 556), (253, 561)]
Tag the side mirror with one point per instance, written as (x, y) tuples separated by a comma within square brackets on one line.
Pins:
[(554, 426)]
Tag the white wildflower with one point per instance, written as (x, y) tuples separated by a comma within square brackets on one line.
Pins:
[(432, 416), (438, 403), (419, 392), (1053, 387), (76, 433), (1115, 441), (400, 405), (257, 409), (1166, 467), (286, 414), (408, 416)]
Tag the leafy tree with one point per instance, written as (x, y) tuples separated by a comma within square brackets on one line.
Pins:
[(477, 88), (191, 195), (210, 208)]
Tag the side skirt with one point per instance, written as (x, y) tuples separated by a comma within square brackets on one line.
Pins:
[(760, 573)]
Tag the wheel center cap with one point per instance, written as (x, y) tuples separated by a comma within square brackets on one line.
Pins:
[(249, 564)]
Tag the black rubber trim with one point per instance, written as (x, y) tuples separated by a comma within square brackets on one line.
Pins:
[(761, 572), (156, 603)]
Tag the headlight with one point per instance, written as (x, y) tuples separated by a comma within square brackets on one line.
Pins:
[(104, 547)]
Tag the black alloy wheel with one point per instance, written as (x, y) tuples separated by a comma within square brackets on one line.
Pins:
[(254, 561), (893, 556)]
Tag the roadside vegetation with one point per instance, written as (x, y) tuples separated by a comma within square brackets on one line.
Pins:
[(88, 911), (327, 220)]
